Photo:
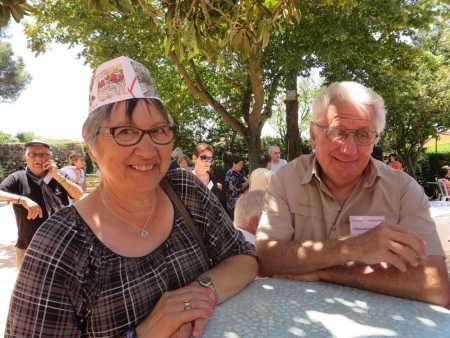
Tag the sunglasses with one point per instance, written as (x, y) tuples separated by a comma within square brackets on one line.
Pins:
[(206, 158)]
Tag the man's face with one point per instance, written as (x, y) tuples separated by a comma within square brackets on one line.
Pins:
[(275, 154), (37, 158), (342, 161)]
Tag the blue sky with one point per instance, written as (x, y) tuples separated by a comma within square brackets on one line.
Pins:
[(55, 103)]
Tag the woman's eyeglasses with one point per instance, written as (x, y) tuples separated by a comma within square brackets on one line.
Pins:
[(206, 158), (127, 136)]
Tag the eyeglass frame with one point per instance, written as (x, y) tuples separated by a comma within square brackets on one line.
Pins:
[(206, 158), (111, 131), (348, 132), (39, 155)]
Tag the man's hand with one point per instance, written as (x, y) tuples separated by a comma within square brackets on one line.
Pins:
[(388, 243), (51, 167), (34, 210)]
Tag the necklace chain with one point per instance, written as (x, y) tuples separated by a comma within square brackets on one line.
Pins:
[(143, 231)]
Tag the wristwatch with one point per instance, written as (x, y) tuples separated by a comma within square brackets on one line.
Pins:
[(207, 282)]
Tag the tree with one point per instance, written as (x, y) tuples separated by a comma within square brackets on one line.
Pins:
[(13, 77), (6, 138), (233, 55), (26, 136), (13, 8), (419, 101)]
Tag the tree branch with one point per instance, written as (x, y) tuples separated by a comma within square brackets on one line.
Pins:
[(198, 90), (271, 97)]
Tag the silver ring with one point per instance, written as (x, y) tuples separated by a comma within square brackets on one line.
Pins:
[(187, 305)]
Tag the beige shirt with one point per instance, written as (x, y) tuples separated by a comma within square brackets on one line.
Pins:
[(299, 206), (259, 179)]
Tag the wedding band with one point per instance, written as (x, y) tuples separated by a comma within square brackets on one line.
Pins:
[(187, 305)]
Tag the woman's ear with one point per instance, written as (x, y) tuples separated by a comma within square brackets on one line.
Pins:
[(312, 137), (92, 154), (194, 158)]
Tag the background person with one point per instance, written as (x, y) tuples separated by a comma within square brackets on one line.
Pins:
[(176, 155), (305, 229), (247, 213), (36, 193), (260, 177), (75, 170), (443, 174), (183, 162), (393, 162), (202, 156), (276, 162), (236, 183), (122, 262)]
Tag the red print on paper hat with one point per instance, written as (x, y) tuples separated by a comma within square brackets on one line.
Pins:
[(120, 79)]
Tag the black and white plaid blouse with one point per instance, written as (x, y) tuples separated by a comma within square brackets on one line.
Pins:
[(71, 285)]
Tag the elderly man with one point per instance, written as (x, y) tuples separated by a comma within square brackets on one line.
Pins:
[(276, 162), (36, 193), (247, 212), (304, 232)]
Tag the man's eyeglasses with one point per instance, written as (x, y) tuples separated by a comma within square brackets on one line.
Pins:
[(362, 136), (127, 136), (40, 155), (206, 158)]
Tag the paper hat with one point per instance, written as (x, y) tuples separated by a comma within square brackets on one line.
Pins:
[(120, 79)]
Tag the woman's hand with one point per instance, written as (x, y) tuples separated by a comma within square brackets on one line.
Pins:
[(174, 312)]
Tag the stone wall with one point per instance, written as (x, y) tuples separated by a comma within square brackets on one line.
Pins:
[(12, 156)]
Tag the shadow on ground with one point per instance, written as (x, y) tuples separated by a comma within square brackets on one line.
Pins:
[(7, 256)]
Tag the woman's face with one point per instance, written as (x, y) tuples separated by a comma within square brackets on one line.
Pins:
[(204, 160), (79, 163), (184, 164), (137, 168)]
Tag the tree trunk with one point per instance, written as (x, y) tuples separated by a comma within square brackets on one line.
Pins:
[(292, 132), (254, 146)]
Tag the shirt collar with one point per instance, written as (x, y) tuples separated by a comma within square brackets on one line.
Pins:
[(370, 174)]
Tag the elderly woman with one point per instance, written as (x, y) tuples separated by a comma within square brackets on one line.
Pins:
[(125, 261)]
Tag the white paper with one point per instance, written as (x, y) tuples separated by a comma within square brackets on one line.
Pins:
[(362, 224)]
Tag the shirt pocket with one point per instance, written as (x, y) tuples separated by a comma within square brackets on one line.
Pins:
[(309, 223)]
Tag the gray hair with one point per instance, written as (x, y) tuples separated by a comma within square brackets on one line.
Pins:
[(272, 148), (94, 121), (248, 205), (358, 95)]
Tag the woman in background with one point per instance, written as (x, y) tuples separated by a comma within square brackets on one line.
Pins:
[(75, 170)]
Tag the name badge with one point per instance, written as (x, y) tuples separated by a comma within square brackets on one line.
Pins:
[(362, 224)]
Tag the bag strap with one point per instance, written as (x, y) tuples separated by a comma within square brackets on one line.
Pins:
[(186, 216)]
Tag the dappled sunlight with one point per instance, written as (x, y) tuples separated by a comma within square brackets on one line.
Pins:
[(285, 308), (426, 321), (340, 326)]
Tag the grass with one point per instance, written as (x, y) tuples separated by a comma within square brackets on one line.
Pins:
[(441, 148)]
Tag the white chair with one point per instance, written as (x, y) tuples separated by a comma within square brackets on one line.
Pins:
[(443, 191)]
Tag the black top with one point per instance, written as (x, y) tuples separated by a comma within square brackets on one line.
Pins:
[(19, 183)]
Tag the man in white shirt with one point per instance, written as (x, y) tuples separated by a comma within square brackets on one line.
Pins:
[(247, 213), (276, 162)]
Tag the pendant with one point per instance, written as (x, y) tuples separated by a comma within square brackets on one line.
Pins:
[(144, 233)]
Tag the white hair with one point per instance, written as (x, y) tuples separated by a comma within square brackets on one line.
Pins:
[(248, 205), (272, 148), (177, 153), (358, 95)]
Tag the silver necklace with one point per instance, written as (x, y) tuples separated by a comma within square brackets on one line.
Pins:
[(143, 231)]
